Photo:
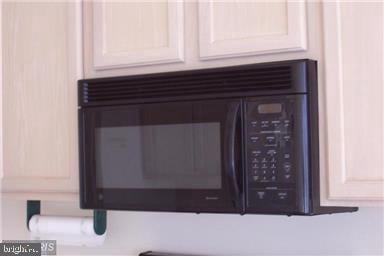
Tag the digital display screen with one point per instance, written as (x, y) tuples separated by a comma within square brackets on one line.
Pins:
[(270, 108)]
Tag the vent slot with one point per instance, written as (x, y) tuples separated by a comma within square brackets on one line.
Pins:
[(222, 81)]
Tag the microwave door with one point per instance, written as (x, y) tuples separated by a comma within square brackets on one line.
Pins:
[(179, 156)]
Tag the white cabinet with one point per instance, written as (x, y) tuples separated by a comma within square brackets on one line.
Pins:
[(40, 58), (243, 28), (135, 33), (354, 99), (128, 37)]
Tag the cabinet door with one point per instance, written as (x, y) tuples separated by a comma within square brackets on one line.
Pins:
[(242, 28), (354, 90), (134, 33), (40, 68)]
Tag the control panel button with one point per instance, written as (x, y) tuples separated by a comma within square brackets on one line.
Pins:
[(273, 160), (287, 123), (255, 139), (276, 124), (256, 153), (264, 125), (286, 156), (282, 195), (287, 138), (287, 177), (255, 166), (254, 124), (264, 195), (287, 167), (270, 140), (261, 194)]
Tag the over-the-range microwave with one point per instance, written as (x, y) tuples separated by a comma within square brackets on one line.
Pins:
[(241, 139)]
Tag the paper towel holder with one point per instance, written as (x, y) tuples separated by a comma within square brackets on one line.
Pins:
[(99, 216)]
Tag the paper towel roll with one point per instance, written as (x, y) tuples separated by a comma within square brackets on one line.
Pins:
[(66, 230)]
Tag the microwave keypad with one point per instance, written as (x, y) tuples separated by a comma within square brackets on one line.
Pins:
[(270, 160), (270, 156)]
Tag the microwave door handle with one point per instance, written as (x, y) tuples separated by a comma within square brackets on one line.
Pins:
[(230, 158)]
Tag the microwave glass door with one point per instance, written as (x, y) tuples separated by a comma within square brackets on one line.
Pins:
[(180, 156)]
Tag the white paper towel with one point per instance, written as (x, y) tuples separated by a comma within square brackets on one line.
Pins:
[(66, 230)]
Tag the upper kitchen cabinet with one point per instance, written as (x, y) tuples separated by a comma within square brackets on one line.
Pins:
[(41, 64), (129, 37), (239, 28), (124, 34), (354, 99)]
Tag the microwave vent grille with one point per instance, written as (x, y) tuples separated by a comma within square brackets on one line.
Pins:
[(187, 83)]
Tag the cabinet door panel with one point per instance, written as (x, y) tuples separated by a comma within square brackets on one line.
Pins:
[(237, 28), (354, 57), (135, 33), (40, 69)]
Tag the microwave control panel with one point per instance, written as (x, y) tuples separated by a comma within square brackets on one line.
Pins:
[(275, 165)]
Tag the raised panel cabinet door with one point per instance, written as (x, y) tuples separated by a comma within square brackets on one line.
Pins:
[(134, 33), (240, 28), (354, 91), (41, 65)]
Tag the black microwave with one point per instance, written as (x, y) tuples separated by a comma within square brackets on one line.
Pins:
[(240, 139)]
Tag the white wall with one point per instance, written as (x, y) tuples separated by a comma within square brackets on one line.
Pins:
[(129, 233)]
